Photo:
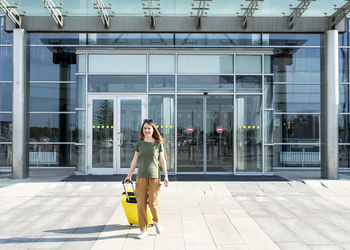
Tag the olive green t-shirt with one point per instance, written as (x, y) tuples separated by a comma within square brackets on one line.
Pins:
[(148, 158)]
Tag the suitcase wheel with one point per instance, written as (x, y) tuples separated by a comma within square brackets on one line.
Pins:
[(130, 224)]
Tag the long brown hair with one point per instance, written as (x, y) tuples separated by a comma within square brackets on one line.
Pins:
[(156, 135)]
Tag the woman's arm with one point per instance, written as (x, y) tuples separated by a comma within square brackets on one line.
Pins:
[(163, 164), (132, 166)]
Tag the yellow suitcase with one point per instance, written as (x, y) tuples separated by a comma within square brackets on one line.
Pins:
[(130, 205)]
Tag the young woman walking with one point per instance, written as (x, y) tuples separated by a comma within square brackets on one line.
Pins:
[(148, 151)]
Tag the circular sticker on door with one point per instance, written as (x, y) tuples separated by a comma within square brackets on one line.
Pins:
[(189, 129), (219, 129)]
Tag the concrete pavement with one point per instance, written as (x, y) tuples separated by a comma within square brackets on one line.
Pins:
[(41, 212)]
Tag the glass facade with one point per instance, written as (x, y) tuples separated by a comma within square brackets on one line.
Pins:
[(262, 110)]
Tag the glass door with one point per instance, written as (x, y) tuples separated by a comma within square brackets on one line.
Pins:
[(114, 124)]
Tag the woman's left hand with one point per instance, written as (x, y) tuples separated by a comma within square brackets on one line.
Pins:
[(166, 182)]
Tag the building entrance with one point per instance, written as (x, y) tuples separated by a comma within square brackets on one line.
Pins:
[(114, 123)]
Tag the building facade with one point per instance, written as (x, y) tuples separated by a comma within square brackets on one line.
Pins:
[(226, 103)]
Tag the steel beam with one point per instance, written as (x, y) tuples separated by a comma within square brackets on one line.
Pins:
[(102, 11), (298, 11), (54, 11), (11, 13), (249, 11), (202, 7), (151, 9), (339, 15)]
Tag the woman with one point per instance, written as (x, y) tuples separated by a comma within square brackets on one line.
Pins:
[(148, 151)]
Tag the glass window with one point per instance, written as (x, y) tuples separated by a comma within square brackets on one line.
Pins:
[(6, 63), (81, 93), (125, 39), (292, 39), (5, 97), (296, 156), (5, 127), (205, 64), (205, 83), (117, 64), (268, 158), (5, 155), (162, 111), (81, 118), (268, 128), (268, 92), (343, 39), (5, 37), (296, 65), (53, 97), (63, 155), (344, 156), (248, 64), (52, 64), (161, 83), (58, 38), (248, 84), (267, 64), (297, 98), (344, 128), (297, 128), (159, 64), (80, 151), (53, 128), (82, 63), (121, 83), (343, 65), (222, 40)]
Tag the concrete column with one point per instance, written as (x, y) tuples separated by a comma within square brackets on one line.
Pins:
[(329, 105), (20, 114)]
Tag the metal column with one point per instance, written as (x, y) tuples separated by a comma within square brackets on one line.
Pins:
[(20, 119), (329, 106)]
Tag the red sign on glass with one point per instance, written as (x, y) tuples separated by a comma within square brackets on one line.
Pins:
[(189, 129), (219, 129)]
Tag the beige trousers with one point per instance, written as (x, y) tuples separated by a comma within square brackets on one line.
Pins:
[(147, 191)]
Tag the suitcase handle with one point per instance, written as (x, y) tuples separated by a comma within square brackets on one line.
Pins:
[(132, 184)]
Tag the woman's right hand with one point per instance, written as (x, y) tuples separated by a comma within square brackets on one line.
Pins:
[(127, 179)]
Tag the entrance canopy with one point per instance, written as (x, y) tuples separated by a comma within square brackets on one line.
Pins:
[(283, 16)]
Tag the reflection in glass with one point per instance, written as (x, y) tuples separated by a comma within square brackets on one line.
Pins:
[(344, 98), (268, 158), (205, 64), (80, 137), (53, 97), (161, 108), (297, 128), (53, 127), (130, 125), (344, 156), (5, 127), (248, 64), (293, 39), (248, 84), (219, 133), (5, 155), (117, 64), (6, 97), (5, 37), (129, 39), (80, 165), (205, 83), (268, 92), (297, 97), (222, 40), (121, 83), (344, 128), (81, 63), (102, 134), (81, 93), (161, 64), (248, 139), (57, 38), (161, 83), (296, 65), (268, 127), (52, 64), (6, 63), (296, 156), (267, 64), (343, 65), (190, 134), (52, 155)]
